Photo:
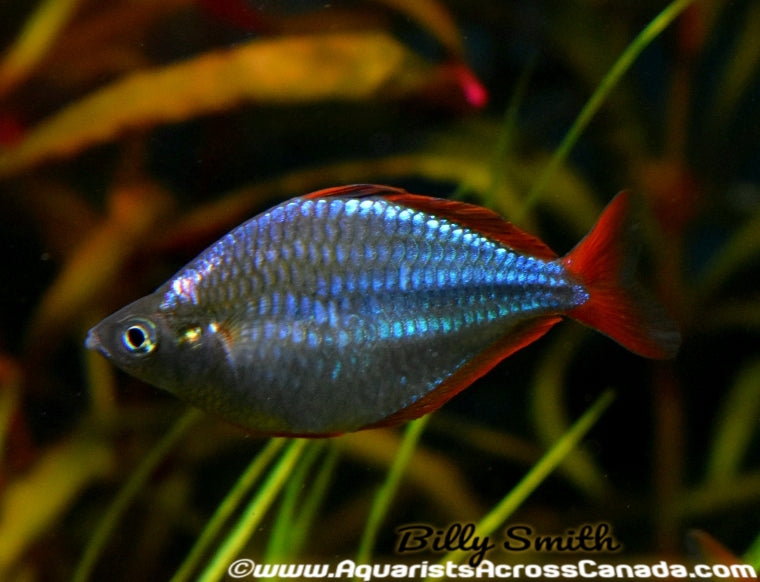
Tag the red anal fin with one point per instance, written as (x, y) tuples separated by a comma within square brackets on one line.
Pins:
[(526, 334), (477, 218), (604, 262)]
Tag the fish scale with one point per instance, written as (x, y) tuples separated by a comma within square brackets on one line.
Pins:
[(332, 313)]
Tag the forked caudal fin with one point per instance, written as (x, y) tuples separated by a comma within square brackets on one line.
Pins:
[(604, 261)]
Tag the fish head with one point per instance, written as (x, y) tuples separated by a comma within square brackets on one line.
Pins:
[(159, 346)]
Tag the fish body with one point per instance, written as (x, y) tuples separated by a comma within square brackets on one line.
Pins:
[(365, 306)]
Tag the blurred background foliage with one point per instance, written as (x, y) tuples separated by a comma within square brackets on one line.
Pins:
[(134, 133)]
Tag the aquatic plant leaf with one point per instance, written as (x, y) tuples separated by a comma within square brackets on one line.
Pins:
[(540, 471), (433, 16), (239, 13), (752, 555), (485, 440), (254, 512), (588, 43), (738, 314), (300, 504), (570, 200), (743, 246), (313, 501), (341, 66), (227, 508), (467, 151), (737, 423), (129, 491), (504, 145), (470, 168), (710, 497), (10, 387), (94, 266), (433, 474), (604, 88), (112, 35), (31, 503), (12, 129), (60, 214), (580, 38), (740, 70), (550, 416), (454, 157), (38, 35), (709, 549), (387, 491)]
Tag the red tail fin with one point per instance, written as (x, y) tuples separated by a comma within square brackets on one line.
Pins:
[(604, 262)]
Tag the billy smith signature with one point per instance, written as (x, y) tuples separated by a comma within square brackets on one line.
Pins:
[(597, 537)]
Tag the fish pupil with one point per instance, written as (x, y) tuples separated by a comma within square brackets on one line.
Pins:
[(137, 339)]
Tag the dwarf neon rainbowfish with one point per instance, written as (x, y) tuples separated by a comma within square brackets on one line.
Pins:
[(364, 306)]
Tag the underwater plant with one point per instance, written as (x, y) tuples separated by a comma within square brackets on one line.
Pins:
[(133, 134)]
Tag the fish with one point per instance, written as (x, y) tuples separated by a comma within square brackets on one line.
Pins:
[(365, 306)]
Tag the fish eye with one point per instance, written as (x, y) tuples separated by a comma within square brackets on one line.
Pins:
[(139, 338)]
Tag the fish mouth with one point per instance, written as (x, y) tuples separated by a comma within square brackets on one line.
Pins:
[(92, 342)]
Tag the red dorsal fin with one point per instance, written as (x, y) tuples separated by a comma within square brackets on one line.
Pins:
[(516, 339), (356, 191), (477, 218)]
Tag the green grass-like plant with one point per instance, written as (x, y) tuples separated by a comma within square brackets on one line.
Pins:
[(695, 441)]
